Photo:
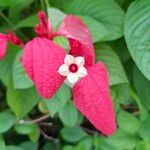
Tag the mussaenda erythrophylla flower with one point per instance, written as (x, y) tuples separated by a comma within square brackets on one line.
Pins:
[(49, 66)]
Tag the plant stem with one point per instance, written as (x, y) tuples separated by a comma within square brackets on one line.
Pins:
[(35, 120)]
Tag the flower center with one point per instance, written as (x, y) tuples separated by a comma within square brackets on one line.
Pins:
[(73, 68)]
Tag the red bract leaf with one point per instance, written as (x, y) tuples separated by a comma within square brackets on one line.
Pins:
[(43, 29), (14, 39), (92, 98), (79, 38), (41, 60), (3, 45)]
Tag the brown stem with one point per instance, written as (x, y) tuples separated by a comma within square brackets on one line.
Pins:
[(90, 131), (35, 120), (47, 137)]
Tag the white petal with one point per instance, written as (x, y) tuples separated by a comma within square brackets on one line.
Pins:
[(72, 77), (63, 70), (79, 61), (82, 71), (69, 59)]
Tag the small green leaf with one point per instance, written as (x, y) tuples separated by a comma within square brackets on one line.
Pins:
[(35, 135), (128, 122), (25, 128), (85, 144), (68, 114), (59, 99), (20, 78), (22, 101), (73, 134), (7, 120)]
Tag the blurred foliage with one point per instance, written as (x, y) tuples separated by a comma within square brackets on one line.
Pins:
[(121, 35)]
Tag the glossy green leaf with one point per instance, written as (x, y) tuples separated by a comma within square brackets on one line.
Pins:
[(137, 34), (108, 13)]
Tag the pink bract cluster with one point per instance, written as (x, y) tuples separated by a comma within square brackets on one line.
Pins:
[(42, 59)]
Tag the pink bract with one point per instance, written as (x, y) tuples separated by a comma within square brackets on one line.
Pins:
[(92, 98), (42, 59), (4, 39)]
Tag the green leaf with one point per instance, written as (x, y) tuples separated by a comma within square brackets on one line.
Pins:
[(72, 134), (2, 144), (62, 41), (59, 99), (121, 140), (144, 131), (25, 128), (13, 147), (68, 147), (120, 2), (20, 78), (7, 120), (142, 86), (55, 16), (143, 145), (14, 14), (107, 13), (22, 101), (35, 135), (27, 22), (142, 109), (137, 34), (85, 144), (29, 145), (7, 63), (105, 54), (128, 122), (120, 47), (68, 114), (123, 94), (98, 31)]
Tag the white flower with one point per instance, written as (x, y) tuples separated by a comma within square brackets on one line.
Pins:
[(73, 68)]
